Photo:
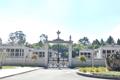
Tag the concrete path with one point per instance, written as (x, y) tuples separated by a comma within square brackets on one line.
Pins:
[(17, 70), (50, 74)]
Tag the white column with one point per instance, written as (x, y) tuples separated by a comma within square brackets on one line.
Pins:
[(70, 54), (46, 54)]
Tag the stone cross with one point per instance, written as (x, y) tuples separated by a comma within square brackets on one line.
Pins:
[(58, 33)]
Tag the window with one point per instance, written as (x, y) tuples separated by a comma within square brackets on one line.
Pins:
[(112, 51), (85, 53), (81, 53), (12, 50), (40, 54), (108, 51), (89, 56), (12, 54), (88, 53), (20, 54), (17, 50), (104, 51), (43, 54)]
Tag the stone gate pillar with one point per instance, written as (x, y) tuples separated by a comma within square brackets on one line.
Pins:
[(70, 54), (46, 54)]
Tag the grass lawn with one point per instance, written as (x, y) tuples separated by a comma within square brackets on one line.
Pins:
[(109, 73), (8, 67), (100, 71)]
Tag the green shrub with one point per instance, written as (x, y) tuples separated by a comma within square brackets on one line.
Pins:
[(84, 70), (93, 69)]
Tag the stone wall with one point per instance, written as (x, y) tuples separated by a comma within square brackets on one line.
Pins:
[(97, 62), (23, 62)]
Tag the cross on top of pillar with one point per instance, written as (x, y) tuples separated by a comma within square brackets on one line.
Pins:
[(58, 33)]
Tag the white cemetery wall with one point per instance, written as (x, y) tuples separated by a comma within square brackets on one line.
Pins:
[(97, 62)]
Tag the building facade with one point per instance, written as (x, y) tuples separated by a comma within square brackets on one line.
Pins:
[(19, 55)]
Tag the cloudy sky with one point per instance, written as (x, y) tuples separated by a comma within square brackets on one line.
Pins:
[(79, 18)]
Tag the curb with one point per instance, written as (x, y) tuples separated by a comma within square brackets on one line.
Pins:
[(98, 76), (18, 73)]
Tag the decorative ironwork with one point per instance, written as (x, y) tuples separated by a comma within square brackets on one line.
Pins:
[(59, 60)]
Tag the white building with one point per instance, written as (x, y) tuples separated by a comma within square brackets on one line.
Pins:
[(106, 50), (88, 53), (22, 56)]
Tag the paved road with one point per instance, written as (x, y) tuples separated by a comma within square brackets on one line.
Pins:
[(51, 74)]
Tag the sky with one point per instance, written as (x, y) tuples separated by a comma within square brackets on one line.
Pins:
[(78, 18)]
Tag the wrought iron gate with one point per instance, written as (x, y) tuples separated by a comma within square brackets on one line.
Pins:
[(57, 62)]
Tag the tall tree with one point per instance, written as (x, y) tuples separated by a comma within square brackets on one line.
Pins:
[(118, 42), (96, 44), (110, 40), (43, 38), (17, 37), (102, 42), (85, 41)]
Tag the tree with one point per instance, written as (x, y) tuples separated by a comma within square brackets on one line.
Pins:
[(28, 44), (102, 42), (43, 38), (110, 40), (118, 42), (78, 46), (17, 37), (85, 41), (96, 44), (82, 59), (113, 61)]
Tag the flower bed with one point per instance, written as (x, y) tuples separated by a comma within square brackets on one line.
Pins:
[(99, 72), (93, 69)]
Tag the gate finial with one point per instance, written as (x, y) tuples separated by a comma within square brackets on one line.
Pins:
[(58, 33)]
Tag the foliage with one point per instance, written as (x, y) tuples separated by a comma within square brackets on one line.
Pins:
[(8, 67), (109, 73), (43, 38), (78, 46), (118, 42), (17, 37), (61, 48), (93, 69), (85, 41), (110, 40), (113, 61), (82, 59), (102, 42), (96, 44)]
